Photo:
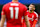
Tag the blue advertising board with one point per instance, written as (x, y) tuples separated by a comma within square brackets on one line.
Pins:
[(22, 1)]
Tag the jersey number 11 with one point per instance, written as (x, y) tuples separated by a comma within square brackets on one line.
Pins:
[(16, 13)]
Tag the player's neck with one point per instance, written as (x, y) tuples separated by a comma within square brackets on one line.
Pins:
[(14, 0), (31, 11)]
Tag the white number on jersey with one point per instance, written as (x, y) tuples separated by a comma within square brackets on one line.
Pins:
[(16, 13)]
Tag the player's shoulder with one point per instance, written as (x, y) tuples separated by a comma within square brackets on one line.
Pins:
[(35, 13)]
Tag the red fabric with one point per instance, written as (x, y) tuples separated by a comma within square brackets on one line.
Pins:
[(10, 25), (32, 18), (34, 23), (6, 11)]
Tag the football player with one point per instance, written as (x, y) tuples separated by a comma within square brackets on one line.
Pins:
[(32, 15), (13, 12)]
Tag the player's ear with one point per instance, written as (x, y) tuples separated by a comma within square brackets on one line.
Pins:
[(34, 8)]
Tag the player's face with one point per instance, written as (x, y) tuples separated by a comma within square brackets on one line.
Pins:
[(31, 7)]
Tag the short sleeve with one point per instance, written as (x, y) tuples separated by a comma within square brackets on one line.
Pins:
[(3, 11), (25, 11), (36, 17)]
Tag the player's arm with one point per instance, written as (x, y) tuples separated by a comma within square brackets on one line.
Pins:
[(2, 20), (2, 16), (26, 18), (35, 21), (27, 21)]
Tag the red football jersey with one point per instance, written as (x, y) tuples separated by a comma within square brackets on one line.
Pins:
[(32, 16), (14, 12)]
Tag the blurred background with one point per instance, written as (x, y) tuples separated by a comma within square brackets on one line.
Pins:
[(25, 2)]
